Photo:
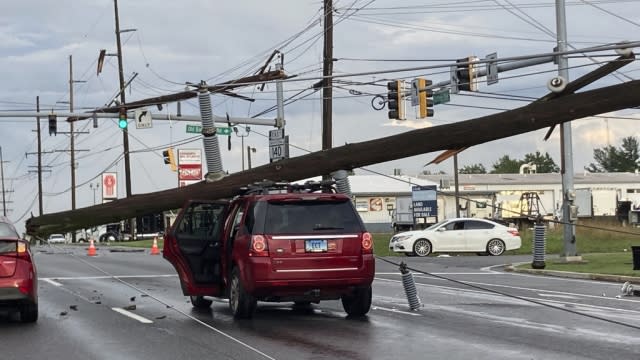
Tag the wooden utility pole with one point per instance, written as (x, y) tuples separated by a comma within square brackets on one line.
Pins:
[(537, 115), (125, 131), (40, 212), (72, 147), (327, 81)]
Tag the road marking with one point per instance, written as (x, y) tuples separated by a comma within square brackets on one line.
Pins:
[(395, 311), (559, 296), (108, 277), (132, 315), (52, 282), (447, 273)]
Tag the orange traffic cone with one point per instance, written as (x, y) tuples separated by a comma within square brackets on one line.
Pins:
[(92, 249), (154, 247)]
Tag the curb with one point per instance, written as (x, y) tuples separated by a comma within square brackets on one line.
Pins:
[(574, 275)]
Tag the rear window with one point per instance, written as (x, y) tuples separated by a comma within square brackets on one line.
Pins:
[(7, 230), (311, 217), (7, 246)]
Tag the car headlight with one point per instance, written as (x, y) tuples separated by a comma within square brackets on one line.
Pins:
[(400, 238)]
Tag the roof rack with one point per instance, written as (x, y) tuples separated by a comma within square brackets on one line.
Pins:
[(282, 187)]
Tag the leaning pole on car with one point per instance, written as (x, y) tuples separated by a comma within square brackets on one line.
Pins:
[(536, 115)]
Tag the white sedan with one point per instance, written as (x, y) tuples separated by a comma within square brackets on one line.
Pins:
[(458, 235), (56, 239)]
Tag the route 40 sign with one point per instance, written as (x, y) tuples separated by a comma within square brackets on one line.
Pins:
[(278, 145)]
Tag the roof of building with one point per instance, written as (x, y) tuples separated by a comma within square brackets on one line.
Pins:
[(382, 184), (548, 178)]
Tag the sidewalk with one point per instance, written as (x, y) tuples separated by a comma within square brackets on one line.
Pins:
[(573, 275)]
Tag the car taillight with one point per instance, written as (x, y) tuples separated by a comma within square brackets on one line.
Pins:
[(22, 250), (513, 232), (367, 243), (259, 246)]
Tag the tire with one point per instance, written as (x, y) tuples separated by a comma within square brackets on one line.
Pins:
[(359, 303), (199, 302), (495, 247), (422, 247), (29, 313), (241, 303)]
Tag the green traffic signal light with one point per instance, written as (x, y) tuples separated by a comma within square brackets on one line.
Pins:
[(122, 123)]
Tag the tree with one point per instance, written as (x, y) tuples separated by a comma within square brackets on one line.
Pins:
[(473, 169), (506, 165), (544, 163), (610, 159)]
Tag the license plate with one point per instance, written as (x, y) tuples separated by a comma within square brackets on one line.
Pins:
[(315, 245)]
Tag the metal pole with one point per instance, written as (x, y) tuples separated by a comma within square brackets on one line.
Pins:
[(39, 160), (455, 180), (4, 205), (249, 157), (125, 132), (327, 90), (71, 137), (242, 146), (280, 99), (570, 250)]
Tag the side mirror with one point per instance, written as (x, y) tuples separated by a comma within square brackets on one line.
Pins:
[(441, 229)]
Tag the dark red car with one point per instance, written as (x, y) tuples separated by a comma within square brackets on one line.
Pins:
[(294, 245), (18, 277)]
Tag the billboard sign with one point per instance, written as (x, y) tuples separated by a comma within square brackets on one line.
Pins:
[(189, 166), (425, 204)]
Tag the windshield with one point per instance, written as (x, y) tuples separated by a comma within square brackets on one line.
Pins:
[(436, 225), (311, 217), (6, 230)]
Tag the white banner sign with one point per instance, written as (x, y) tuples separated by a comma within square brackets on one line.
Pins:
[(189, 157)]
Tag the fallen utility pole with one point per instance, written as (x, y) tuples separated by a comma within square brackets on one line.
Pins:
[(537, 115)]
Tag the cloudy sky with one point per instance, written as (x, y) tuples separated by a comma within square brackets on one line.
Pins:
[(192, 40)]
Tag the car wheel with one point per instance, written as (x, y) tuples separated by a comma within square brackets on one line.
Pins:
[(241, 303), (29, 312), (358, 303), (495, 247), (199, 302), (422, 247)]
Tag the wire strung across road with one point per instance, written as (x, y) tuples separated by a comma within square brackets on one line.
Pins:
[(513, 296)]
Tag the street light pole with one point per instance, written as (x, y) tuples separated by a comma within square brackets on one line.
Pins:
[(94, 188), (247, 129), (249, 151)]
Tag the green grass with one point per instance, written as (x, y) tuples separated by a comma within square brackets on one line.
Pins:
[(607, 263), (138, 243)]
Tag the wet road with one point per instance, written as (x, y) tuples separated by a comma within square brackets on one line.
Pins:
[(84, 302)]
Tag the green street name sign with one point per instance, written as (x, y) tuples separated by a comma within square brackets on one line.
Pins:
[(441, 97), (197, 129)]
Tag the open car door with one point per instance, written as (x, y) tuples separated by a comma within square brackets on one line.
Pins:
[(193, 245)]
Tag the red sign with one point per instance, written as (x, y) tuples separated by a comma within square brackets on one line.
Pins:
[(190, 172), (109, 186)]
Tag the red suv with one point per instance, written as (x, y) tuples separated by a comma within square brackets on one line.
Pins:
[(275, 242), (18, 277)]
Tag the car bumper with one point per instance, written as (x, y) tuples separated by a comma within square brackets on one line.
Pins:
[(400, 246), (263, 281)]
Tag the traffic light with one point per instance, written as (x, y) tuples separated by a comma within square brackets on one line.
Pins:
[(394, 99), (466, 74), (169, 158), (425, 98), (53, 124), (122, 121)]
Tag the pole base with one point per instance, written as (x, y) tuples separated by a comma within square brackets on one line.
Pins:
[(538, 265), (211, 177)]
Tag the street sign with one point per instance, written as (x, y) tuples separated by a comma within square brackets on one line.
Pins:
[(492, 68), (278, 145), (143, 119), (441, 97), (197, 129)]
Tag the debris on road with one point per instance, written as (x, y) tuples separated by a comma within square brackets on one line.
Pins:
[(130, 307), (73, 307)]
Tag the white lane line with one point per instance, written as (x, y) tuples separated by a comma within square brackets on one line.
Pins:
[(132, 315), (395, 311), (558, 296), (108, 277), (447, 273), (52, 282)]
